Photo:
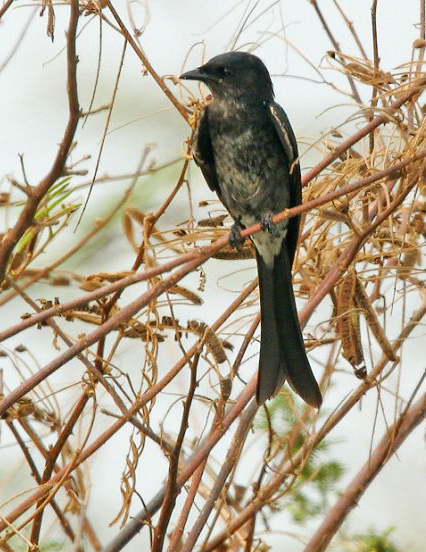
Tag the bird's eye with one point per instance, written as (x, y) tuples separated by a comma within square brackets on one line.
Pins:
[(225, 71)]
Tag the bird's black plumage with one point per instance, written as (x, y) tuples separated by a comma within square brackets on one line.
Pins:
[(247, 151)]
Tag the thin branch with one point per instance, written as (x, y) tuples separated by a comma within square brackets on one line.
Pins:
[(66, 526), (352, 30), (18, 42), (232, 458), (58, 310), (336, 46), (54, 452), (29, 210), (147, 64), (385, 450), (288, 468), (5, 7), (172, 488), (376, 60)]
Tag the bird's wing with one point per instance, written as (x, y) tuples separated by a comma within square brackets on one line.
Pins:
[(288, 141), (203, 152)]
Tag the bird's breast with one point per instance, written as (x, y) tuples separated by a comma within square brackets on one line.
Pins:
[(250, 165)]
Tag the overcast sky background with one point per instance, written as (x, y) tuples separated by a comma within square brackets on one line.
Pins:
[(33, 112)]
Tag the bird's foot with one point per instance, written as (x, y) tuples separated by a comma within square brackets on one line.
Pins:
[(267, 224), (235, 239)]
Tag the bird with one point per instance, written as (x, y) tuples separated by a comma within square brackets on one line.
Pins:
[(247, 151)]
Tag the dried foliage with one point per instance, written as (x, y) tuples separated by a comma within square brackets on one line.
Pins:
[(191, 384)]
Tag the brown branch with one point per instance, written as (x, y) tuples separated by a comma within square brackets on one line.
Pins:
[(389, 444), (364, 131), (231, 459), (139, 403), (188, 470), (104, 133), (336, 46), (288, 468), (5, 7), (58, 310), (172, 488), (376, 60), (35, 473), (53, 454), (35, 195), (176, 537)]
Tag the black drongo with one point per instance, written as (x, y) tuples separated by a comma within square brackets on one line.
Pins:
[(247, 151)]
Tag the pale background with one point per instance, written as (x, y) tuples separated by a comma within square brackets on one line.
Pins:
[(33, 112)]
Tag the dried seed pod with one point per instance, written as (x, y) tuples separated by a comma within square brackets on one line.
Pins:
[(419, 43), (212, 222), (213, 343), (202, 278), (187, 293), (348, 326), (128, 229), (138, 330), (229, 253)]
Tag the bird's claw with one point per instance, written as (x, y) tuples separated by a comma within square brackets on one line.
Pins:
[(267, 224), (235, 239)]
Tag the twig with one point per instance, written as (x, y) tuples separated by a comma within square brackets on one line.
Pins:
[(175, 539), (336, 46), (389, 444), (352, 30), (376, 60), (18, 42), (147, 64), (58, 310), (188, 470), (172, 488), (5, 7), (104, 133), (288, 468), (30, 208), (35, 473), (230, 461), (54, 452)]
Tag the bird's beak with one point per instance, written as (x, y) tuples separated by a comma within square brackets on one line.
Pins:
[(196, 74)]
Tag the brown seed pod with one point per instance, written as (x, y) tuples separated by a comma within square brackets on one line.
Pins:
[(229, 253), (348, 326), (187, 293), (212, 222), (213, 343)]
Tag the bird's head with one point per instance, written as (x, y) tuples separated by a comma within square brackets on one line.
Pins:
[(234, 75)]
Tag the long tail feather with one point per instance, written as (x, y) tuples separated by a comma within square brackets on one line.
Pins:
[(270, 376), (282, 351)]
